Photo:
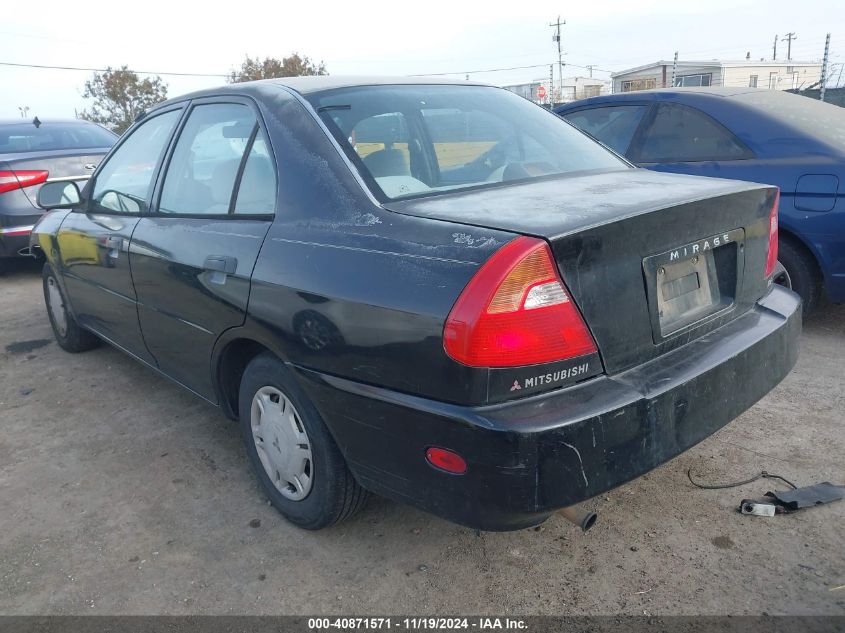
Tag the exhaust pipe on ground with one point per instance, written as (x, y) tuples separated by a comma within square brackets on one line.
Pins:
[(584, 519)]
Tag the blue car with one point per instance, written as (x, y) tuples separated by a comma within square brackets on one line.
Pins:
[(764, 136)]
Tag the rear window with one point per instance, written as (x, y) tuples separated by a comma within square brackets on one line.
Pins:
[(411, 140), (25, 137)]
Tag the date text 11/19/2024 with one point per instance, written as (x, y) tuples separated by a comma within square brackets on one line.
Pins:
[(416, 623)]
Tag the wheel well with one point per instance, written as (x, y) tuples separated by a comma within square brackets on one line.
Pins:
[(233, 361), (799, 244)]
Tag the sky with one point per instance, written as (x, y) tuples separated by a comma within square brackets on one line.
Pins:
[(387, 38)]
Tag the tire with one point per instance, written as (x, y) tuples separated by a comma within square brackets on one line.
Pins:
[(292, 452), (68, 333), (803, 274)]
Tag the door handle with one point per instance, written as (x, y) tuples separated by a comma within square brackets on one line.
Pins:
[(220, 266)]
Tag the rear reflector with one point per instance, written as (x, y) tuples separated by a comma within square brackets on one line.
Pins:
[(516, 311), (16, 230), (447, 460), (772, 255), (11, 180)]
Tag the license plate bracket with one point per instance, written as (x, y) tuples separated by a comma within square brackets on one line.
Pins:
[(693, 283)]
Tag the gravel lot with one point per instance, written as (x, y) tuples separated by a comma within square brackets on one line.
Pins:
[(122, 493)]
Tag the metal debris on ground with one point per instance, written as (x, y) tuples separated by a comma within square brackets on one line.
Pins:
[(779, 501)]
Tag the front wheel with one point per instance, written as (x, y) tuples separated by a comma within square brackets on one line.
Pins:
[(68, 333), (292, 452)]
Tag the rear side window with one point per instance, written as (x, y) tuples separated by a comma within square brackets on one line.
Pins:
[(682, 134), (201, 175), (26, 137), (257, 189), (614, 126), (124, 183)]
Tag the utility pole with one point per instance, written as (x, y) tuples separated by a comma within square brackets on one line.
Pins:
[(788, 39), (551, 84), (775, 49), (674, 69), (590, 69), (556, 38), (824, 66)]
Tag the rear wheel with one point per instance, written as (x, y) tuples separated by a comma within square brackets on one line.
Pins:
[(292, 452), (69, 335), (802, 272)]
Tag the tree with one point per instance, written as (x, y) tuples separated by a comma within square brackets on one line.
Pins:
[(120, 96), (293, 66)]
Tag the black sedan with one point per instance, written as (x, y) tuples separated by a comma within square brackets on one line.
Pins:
[(435, 292), (32, 153)]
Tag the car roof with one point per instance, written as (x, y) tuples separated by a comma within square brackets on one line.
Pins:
[(43, 121), (316, 83)]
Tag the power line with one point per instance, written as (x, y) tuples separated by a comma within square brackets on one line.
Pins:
[(495, 70), (100, 70), (475, 72)]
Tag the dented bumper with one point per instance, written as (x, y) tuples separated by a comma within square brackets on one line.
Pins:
[(530, 457)]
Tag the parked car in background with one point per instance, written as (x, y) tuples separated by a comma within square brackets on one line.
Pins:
[(431, 291), (32, 153), (758, 135)]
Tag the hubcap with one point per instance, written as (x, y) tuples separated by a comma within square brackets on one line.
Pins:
[(57, 306), (282, 443)]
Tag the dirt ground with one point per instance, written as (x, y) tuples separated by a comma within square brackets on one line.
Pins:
[(122, 493)]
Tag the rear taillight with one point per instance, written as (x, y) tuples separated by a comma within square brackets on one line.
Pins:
[(516, 311), (772, 255), (10, 180)]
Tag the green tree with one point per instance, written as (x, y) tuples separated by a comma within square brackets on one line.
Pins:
[(293, 66), (120, 96)]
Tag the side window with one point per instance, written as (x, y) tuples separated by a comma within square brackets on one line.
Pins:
[(614, 126), (683, 134), (257, 189), (201, 175), (124, 184)]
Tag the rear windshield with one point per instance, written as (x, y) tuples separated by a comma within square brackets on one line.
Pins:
[(411, 140), (25, 137)]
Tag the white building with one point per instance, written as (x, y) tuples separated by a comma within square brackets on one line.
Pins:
[(775, 75), (573, 88)]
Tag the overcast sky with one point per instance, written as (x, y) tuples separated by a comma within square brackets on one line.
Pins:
[(386, 38)]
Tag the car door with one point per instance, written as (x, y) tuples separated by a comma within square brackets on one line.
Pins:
[(192, 256), (613, 125), (93, 241)]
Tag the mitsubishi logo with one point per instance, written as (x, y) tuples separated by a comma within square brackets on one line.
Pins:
[(516, 386)]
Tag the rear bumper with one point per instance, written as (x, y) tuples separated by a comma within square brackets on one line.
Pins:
[(16, 223), (530, 457), (14, 241)]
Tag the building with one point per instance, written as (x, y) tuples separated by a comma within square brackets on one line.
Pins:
[(573, 88), (775, 75), (530, 89)]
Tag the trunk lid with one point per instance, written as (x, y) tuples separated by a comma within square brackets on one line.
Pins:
[(75, 165), (652, 260)]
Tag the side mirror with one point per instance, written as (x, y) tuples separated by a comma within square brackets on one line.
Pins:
[(59, 195)]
